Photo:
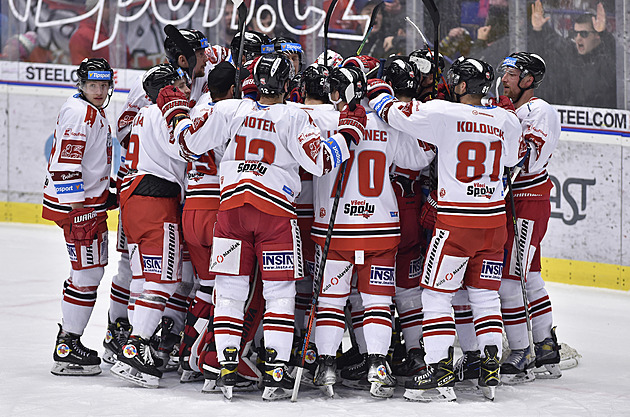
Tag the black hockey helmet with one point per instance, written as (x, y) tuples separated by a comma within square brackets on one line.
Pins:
[(95, 69), (427, 55), (158, 77), (271, 73), (350, 82), (315, 82), (255, 44), (528, 64), (477, 74), (289, 46), (401, 75), (195, 39)]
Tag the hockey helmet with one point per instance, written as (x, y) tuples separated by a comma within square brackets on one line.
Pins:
[(95, 69), (528, 64), (315, 82), (289, 46), (334, 59), (477, 74), (254, 45), (401, 75), (350, 82), (271, 73), (419, 56), (158, 77), (195, 39)]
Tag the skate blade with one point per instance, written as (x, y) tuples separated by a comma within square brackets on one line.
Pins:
[(127, 373), (440, 394), (275, 393), (379, 390), (568, 363), (71, 369), (488, 392), (549, 371), (109, 357), (361, 384), (190, 376), (328, 390), (467, 385), (209, 386), (520, 378), (227, 392)]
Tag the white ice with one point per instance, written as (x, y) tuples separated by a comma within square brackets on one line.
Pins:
[(34, 264)]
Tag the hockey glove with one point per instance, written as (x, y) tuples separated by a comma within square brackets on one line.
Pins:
[(377, 86), (365, 63), (428, 213), (83, 230), (442, 92), (403, 186), (173, 104), (352, 123), (504, 102)]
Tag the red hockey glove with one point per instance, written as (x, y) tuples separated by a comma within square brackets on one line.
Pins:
[(365, 63), (249, 88), (428, 212), (295, 96), (173, 103), (83, 230), (442, 92), (377, 86), (503, 102), (352, 123)]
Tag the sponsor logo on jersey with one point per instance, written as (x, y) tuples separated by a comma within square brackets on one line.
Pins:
[(72, 252), (152, 264), (335, 280), (75, 187), (171, 253), (69, 133), (480, 190), (322, 212), (415, 267), (277, 260), (393, 214), (491, 270), (255, 167), (71, 151), (288, 190), (359, 208), (382, 275)]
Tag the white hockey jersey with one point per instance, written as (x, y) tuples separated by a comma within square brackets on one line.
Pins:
[(202, 178), (541, 131), (80, 161), (152, 150), (267, 145), (367, 216), (474, 144)]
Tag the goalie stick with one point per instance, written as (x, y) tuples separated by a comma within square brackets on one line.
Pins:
[(181, 42), (238, 63)]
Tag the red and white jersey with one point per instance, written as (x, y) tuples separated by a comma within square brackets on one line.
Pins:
[(267, 145), (136, 99), (367, 216), (80, 161), (202, 178), (541, 131), (152, 150), (474, 144)]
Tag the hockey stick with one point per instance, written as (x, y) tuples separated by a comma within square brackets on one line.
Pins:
[(375, 11), (519, 260), (517, 170), (329, 13), (435, 16), (181, 42), (242, 15)]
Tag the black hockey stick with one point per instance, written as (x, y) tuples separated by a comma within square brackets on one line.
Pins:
[(435, 17), (319, 272), (375, 11), (522, 268), (238, 63), (181, 42)]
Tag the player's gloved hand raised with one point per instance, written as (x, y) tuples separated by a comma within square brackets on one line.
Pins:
[(83, 230), (376, 86), (365, 63), (352, 123), (428, 212), (173, 103), (503, 102)]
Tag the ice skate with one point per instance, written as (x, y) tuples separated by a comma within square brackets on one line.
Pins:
[(325, 374), (142, 367), (380, 376), (277, 382), (548, 358), (517, 368), (167, 346), (466, 371), (489, 371), (412, 365), (569, 357), (226, 379), (72, 358), (435, 383), (115, 338), (355, 376)]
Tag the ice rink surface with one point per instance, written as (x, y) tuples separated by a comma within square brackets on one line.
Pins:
[(34, 264)]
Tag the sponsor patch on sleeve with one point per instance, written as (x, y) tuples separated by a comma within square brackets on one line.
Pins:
[(75, 187)]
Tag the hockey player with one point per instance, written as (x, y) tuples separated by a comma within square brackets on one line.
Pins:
[(76, 198), (292, 49), (268, 142), (365, 237), (474, 144), (523, 72), (150, 204), (401, 75), (425, 73), (254, 45)]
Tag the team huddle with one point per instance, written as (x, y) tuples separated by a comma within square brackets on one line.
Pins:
[(267, 209)]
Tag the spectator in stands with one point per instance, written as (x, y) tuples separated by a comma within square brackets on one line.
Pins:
[(583, 66), (24, 48), (82, 39)]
